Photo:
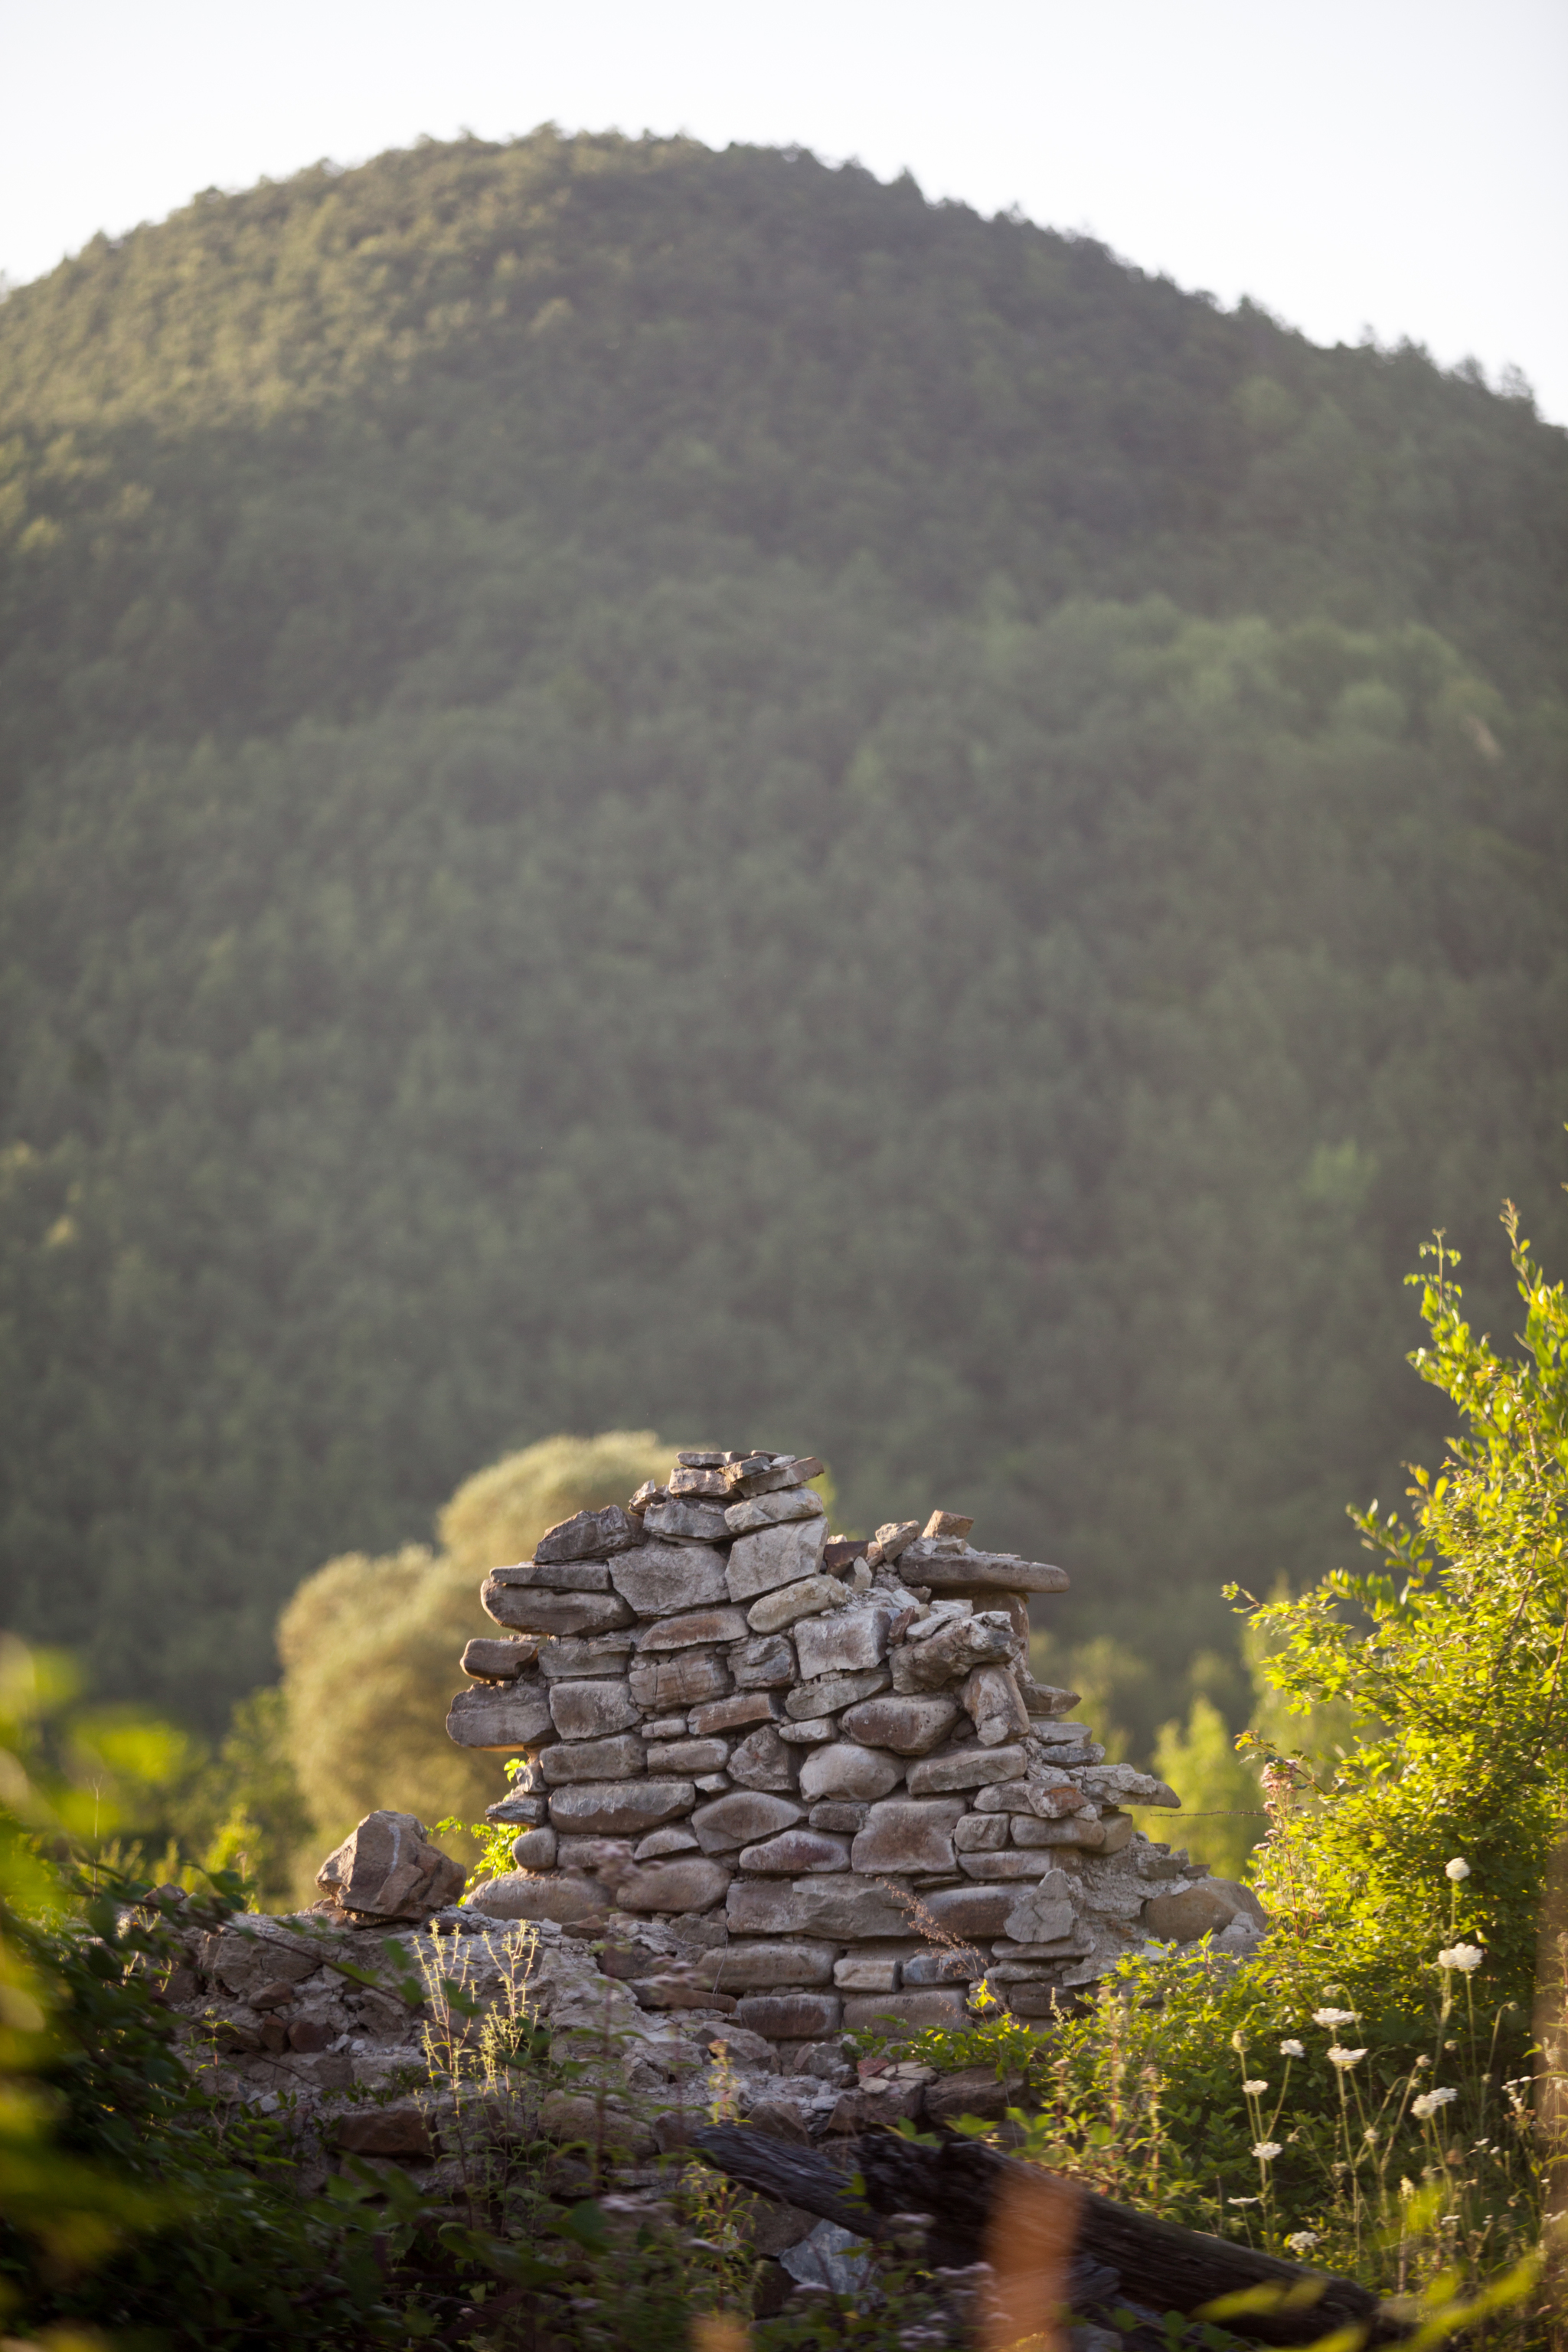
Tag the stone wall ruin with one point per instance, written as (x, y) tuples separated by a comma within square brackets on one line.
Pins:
[(820, 1771)]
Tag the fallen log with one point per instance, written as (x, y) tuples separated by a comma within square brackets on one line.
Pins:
[(965, 2187)]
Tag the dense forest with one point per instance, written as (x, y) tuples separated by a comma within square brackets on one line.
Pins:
[(650, 788)]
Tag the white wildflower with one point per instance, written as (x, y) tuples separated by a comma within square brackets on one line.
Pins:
[(1457, 1869), (1244, 2201), (1268, 2149), (1467, 1956), (1345, 2059), (1292, 2050), (1255, 2090), (1301, 2241), (1430, 2102), (1333, 2017)]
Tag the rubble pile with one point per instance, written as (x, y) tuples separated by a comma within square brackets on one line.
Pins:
[(805, 1783)]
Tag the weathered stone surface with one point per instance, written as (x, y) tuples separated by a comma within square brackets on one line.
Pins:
[(1043, 1699), (895, 1537), (960, 1571), (796, 1852), (765, 1662), (1205, 1910), (1054, 1801), (973, 2091), (399, 2130), (965, 1768), (980, 1834), (659, 1579), (834, 1693), (742, 1818), (1034, 2001), (688, 1680), (762, 1762), (584, 1710), (754, 1474), (846, 1769), (592, 1760), (1043, 1914), (1038, 1832), (386, 1868), (1009, 1863), (995, 1705), (775, 1510), (557, 1895), (526, 1807), (675, 1990), (847, 1642), (935, 2005), (531, 1611), (620, 1807), (908, 1725), (815, 1732), (700, 1472), (903, 1836), (1078, 1830), (574, 2115), (244, 1965), (867, 1972), (588, 1534), (594, 1658), (1123, 1784), (776, 1556), (971, 1910), (808, 1598), (757, 1967), (791, 2016), (733, 1714), (664, 1726), (607, 1858), (952, 1653), (694, 1755), (534, 1849), (933, 1967), (688, 1630), (837, 1816), (687, 1516), (1119, 1832), (505, 1716), (1047, 1802), (713, 1784), (661, 1844), (689, 1883), (846, 1909), (500, 1659)]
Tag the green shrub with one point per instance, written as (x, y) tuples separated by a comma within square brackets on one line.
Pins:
[(1362, 2091)]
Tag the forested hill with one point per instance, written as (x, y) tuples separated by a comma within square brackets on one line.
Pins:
[(653, 787)]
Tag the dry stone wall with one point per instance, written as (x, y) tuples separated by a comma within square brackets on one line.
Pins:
[(821, 1768)]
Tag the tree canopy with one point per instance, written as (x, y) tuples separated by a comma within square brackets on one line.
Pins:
[(648, 787)]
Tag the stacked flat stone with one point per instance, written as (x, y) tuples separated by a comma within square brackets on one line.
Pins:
[(824, 1763)]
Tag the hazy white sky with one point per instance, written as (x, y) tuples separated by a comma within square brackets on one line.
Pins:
[(1396, 164)]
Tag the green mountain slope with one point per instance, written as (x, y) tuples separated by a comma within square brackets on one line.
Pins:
[(648, 787)]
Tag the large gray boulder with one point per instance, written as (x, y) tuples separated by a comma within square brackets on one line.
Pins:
[(387, 1869)]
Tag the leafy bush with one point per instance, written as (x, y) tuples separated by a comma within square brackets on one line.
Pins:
[(1363, 2090)]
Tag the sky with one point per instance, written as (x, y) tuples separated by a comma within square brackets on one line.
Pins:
[(1391, 167)]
